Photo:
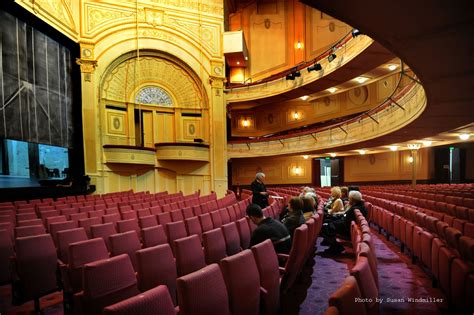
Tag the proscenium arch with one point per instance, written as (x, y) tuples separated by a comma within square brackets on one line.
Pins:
[(155, 56)]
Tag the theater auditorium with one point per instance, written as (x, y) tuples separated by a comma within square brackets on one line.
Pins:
[(240, 157)]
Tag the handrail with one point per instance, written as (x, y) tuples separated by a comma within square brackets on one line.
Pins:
[(340, 43), (384, 104)]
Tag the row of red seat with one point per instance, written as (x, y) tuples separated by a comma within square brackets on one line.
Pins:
[(466, 227), (358, 292), (443, 250)]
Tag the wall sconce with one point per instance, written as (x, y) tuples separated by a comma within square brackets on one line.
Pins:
[(245, 123), (296, 116), (297, 170), (410, 159), (299, 45)]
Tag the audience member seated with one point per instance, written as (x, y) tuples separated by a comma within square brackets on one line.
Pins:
[(295, 215), (342, 225), (334, 205), (309, 205), (267, 228), (345, 195)]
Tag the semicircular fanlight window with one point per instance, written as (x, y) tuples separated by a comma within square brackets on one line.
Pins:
[(153, 95)]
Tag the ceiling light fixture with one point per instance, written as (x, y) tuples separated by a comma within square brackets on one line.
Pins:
[(427, 143), (393, 148), (414, 146), (392, 67), (332, 90), (362, 152), (464, 136), (304, 97), (361, 79), (332, 154), (305, 157)]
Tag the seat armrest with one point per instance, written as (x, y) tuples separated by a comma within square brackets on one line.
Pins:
[(283, 256), (263, 291), (176, 309), (282, 270)]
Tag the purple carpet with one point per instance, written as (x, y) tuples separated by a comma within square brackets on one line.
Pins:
[(400, 281)]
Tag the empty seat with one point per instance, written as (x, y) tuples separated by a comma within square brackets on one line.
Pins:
[(232, 238), (344, 299), (244, 292), (6, 250), (364, 250), (153, 236), (364, 276), (106, 282), (206, 222), (244, 232), (87, 223), (267, 264), (224, 216), (103, 231), (177, 215), (111, 218), (35, 267), (54, 228), (66, 237), (203, 292), (32, 230), (30, 222), (295, 260), (152, 302), (214, 246), (174, 231), (193, 226), (189, 255), (156, 266), (147, 221), (125, 243), (216, 219), (79, 254), (128, 225), (164, 218)]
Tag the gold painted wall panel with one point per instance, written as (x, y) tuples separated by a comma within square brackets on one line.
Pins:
[(165, 128), (278, 170), (387, 166), (268, 36)]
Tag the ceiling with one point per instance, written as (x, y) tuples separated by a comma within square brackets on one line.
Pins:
[(435, 39)]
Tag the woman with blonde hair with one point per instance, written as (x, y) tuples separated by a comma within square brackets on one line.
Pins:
[(337, 206)]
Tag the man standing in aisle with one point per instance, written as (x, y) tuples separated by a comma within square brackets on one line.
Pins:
[(259, 191)]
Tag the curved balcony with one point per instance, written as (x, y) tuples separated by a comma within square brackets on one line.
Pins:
[(397, 111), (182, 151), (359, 54), (126, 154)]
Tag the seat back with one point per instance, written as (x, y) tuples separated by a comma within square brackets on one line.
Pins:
[(107, 282), (214, 246), (244, 232), (64, 238), (244, 291), (128, 225), (24, 231), (152, 302), (203, 292), (156, 266), (125, 243), (296, 259), (103, 231), (175, 230), (232, 238), (189, 255), (36, 262), (344, 299), (267, 264), (193, 226), (153, 236), (6, 251), (361, 271)]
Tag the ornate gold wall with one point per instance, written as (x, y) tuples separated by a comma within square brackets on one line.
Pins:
[(179, 50)]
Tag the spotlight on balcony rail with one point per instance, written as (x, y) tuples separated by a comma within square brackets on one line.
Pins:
[(315, 67), (356, 32), (293, 75), (331, 57)]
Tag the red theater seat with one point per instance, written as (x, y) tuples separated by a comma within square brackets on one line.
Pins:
[(156, 266), (203, 292), (152, 302), (153, 236), (214, 246), (344, 299), (189, 255), (244, 292)]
